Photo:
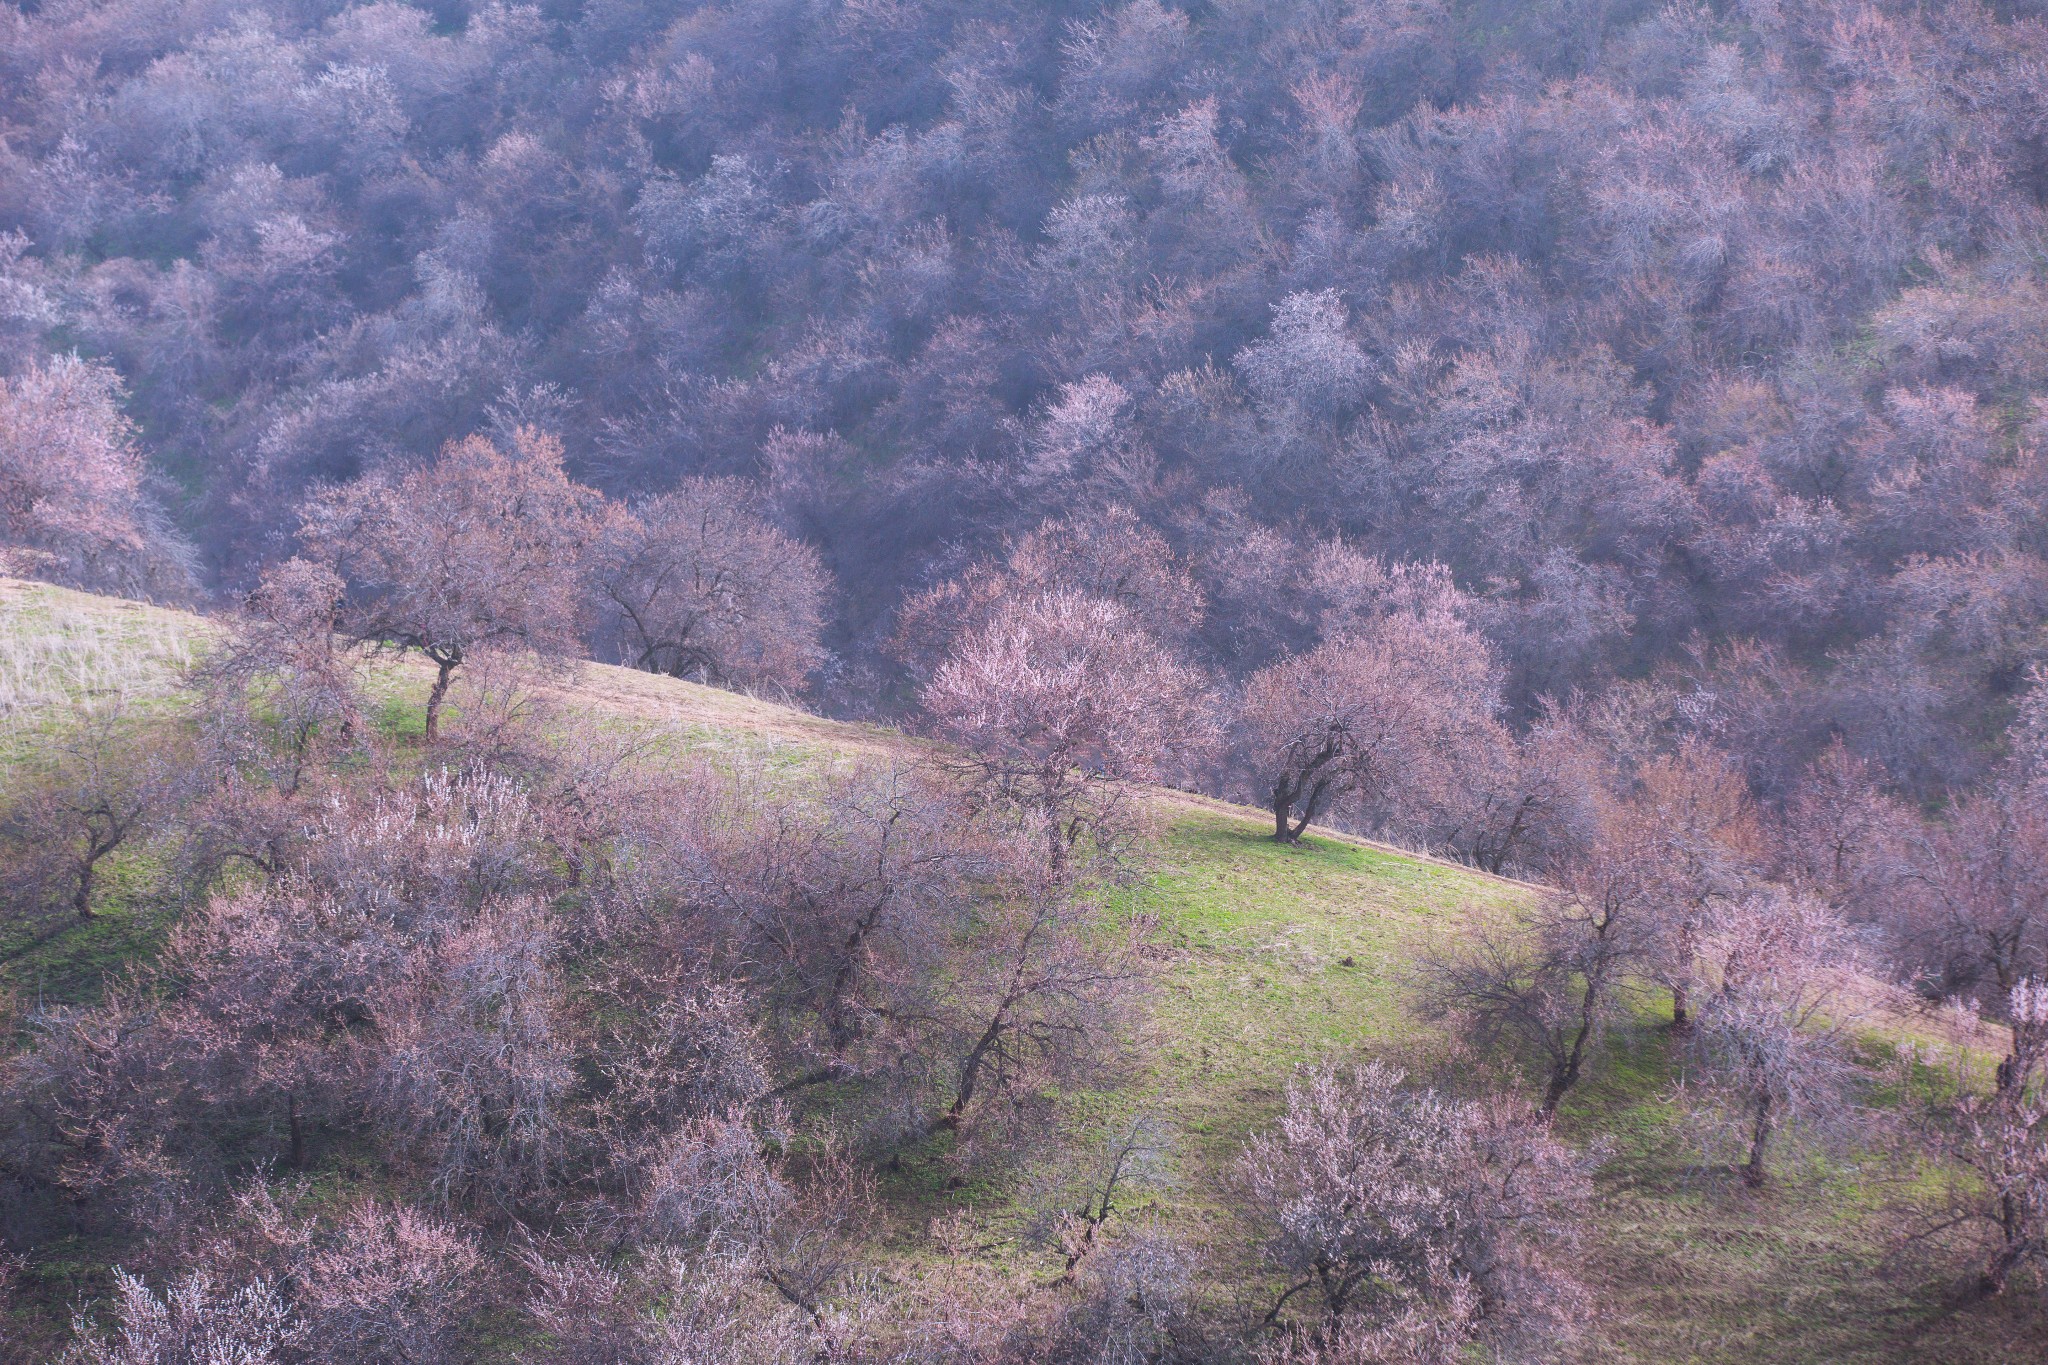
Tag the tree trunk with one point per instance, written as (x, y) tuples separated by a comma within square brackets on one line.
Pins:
[(2012, 1248), (970, 1071), (1565, 1074), (1287, 831), (435, 697), (1754, 1174), (1283, 799), (81, 900), (1563, 1077), (1681, 1010)]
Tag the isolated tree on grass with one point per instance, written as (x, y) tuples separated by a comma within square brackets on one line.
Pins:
[(1418, 1224), (1512, 801), (1042, 984), (1353, 720), (478, 551), (1692, 831), (93, 790), (1059, 701), (1545, 985), (699, 585), (1768, 1063)]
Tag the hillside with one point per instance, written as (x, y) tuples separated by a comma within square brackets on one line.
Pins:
[(1267, 958)]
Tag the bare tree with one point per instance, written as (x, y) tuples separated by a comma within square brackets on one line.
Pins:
[(98, 786), (1843, 837), (389, 1284), (479, 550), (2004, 1139), (1125, 1162), (1059, 701), (701, 586), (840, 909), (1042, 983), (72, 501), (1976, 893), (1352, 721), (280, 662), (1526, 802), (1769, 1061), (1409, 1214), (664, 1306), (1138, 1301), (1546, 984), (796, 1226), (1693, 834), (1109, 554)]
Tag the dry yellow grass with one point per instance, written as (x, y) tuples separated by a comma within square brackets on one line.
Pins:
[(60, 649)]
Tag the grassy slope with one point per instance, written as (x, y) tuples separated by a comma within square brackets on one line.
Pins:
[(1270, 958)]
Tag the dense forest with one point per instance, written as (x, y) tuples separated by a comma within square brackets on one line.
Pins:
[(1698, 344), (1597, 441)]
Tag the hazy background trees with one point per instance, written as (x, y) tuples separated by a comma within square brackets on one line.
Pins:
[(1163, 303)]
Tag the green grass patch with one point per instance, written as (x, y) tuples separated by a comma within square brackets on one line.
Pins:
[(1267, 959)]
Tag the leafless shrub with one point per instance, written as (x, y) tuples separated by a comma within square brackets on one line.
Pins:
[(389, 1284), (663, 1309), (1420, 1223), (429, 853), (470, 1066), (677, 1050), (795, 1224), (1137, 1305), (192, 1323), (72, 501), (100, 1113), (839, 907)]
